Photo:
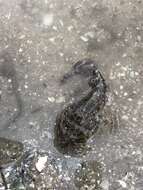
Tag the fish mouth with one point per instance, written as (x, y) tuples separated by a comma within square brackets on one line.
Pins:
[(68, 146)]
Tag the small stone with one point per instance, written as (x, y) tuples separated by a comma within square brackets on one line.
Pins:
[(118, 63), (70, 28), (121, 87), (140, 103), (52, 40), (121, 74), (9, 80), (83, 38), (136, 73), (61, 22), (60, 99), (134, 119), (124, 55), (125, 117), (61, 54), (51, 99), (122, 183), (29, 41), (32, 124), (125, 93), (20, 50), (139, 38), (25, 86), (55, 28), (22, 37), (105, 184)]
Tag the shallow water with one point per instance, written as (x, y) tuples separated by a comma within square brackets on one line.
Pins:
[(44, 39)]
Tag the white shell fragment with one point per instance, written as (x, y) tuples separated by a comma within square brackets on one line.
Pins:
[(48, 19), (40, 165), (122, 183)]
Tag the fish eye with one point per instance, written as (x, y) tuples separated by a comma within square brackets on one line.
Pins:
[(93, 80), (77, 118)]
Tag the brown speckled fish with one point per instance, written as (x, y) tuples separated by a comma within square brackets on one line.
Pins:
[(80, 120)]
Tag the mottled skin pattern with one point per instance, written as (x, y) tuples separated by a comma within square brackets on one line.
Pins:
[(8, 71), (10, 151), (81, 119), (88, 175)]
